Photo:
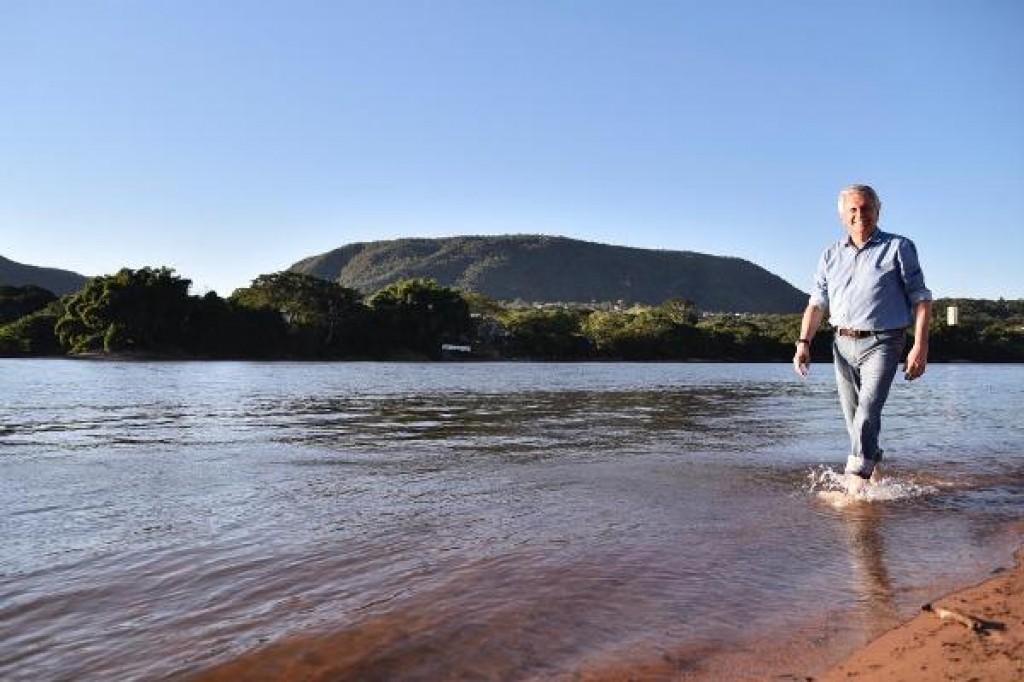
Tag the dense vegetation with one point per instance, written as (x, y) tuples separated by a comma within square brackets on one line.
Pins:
[(282, 315), (547, 269), (989, 331), (17, 302), (292, 315)]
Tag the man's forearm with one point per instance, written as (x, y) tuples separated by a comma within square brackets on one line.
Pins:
[(811, 320), (922, 318)]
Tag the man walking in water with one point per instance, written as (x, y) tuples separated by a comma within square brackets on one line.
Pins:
[(871, 284)]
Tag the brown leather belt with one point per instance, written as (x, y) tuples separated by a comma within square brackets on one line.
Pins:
[(856, 333)]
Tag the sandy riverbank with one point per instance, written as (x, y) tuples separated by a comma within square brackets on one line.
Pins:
[(987, 645)]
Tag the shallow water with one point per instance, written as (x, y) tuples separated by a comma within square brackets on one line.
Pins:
[(479, 521)]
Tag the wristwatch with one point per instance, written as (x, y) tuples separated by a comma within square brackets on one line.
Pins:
[(799, 341)]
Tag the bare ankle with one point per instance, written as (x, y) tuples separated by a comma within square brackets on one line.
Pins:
[(854, 484)]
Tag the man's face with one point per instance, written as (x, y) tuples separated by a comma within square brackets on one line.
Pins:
[(859, 214)]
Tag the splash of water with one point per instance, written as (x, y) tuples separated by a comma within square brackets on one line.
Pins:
[(828, 483)]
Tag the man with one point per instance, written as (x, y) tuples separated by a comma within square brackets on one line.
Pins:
[(871, 284)]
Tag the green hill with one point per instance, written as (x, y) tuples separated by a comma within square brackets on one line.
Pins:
[(60, 282), (540, 268)]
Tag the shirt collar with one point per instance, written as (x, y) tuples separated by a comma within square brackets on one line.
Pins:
[(875, 237)]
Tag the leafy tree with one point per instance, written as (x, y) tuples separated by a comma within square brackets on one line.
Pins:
[(638, 334), (32, 334), (322, 317), (681, 311), (644, 332), (224, 329), (142, 309), (755, 338), (554, 334), (482, 305), (419, 315)]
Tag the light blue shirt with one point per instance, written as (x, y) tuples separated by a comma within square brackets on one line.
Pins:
[(871, 288)]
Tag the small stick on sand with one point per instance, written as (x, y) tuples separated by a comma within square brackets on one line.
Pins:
[(970, 622)]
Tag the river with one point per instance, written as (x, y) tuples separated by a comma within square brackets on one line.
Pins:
[(479, 521)]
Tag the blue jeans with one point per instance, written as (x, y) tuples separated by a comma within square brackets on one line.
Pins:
[(864, 372)]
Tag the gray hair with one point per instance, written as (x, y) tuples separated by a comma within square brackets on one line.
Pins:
[(864, 191)]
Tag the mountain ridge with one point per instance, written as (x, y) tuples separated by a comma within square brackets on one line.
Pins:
[(543, 268), (60, 282)]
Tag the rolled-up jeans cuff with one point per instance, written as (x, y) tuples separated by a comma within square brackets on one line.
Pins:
[(860, 466)]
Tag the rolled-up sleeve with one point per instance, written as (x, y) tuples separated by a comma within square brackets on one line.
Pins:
[(819, 288), (913, 276)]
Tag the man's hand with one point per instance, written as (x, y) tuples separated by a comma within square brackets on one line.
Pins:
[(917, 358), (917, 362), (808, 324), (802, 359)]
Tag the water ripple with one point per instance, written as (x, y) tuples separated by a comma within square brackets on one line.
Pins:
[(480, 521)]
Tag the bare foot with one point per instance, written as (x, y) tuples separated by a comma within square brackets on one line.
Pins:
[(876, 475), (854, 484)]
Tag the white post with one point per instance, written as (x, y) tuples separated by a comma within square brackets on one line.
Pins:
[(952, 316)]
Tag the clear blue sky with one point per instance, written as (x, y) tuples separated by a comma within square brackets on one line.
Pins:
[(227, 139)]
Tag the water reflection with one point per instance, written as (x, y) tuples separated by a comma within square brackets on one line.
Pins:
[(862, 527)]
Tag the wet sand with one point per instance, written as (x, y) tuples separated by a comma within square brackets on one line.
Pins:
[(984, 641), (975, 634), (934, 648)]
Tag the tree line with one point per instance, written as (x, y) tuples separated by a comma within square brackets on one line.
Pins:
[(149, 312)]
